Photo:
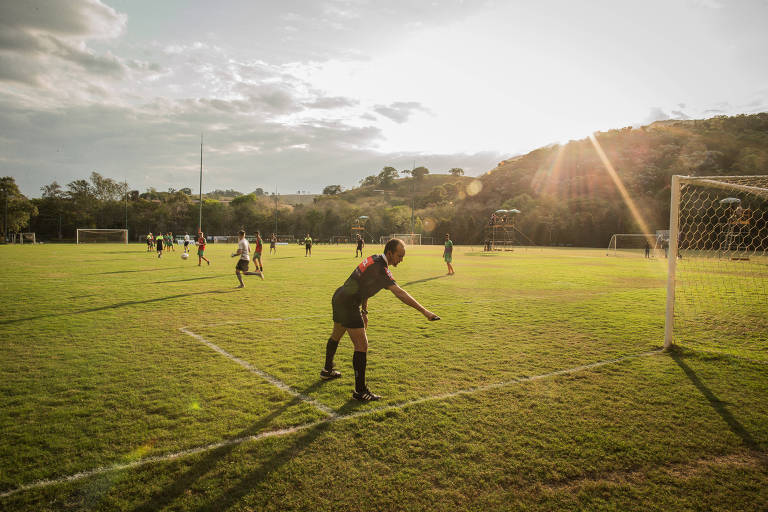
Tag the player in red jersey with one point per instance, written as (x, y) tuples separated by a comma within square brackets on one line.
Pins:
[(201, 249)]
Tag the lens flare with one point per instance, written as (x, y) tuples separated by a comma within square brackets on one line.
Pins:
[(428, 225), (622, 189), (474, 188)]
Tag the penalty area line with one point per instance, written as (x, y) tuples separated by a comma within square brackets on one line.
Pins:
[(298, 428), (269, 378)]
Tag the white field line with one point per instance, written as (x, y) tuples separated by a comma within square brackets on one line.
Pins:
[(269, 378), (305, 426)]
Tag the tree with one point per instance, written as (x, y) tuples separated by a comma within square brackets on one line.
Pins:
[(369, 181), (259, 192), (387, 176), (332, 190), (105, 189), (19, 209), (419, 173), (53, 191), (186, 190), (457, 171)]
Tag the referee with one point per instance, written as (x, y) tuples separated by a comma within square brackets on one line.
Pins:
[(350, 312)]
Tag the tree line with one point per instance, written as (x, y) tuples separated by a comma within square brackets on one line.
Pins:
[(564, 193)]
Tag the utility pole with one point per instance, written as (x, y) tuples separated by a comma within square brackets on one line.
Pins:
[(200, 218), (5, 219), (413, 194), (126, 204), (275, 209)]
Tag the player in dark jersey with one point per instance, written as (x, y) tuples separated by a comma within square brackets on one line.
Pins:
[(350, 312), (360, 245), (159, 244)]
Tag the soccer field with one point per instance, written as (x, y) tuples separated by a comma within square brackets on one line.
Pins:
[(129, 382)]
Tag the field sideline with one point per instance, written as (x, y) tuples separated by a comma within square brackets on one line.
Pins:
[(130, 382)]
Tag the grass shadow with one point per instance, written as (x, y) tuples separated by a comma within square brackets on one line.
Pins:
[(190, 279), (425, 280), (230, 497), (718, 405), (166, 496), (111, 306), (132, 271)]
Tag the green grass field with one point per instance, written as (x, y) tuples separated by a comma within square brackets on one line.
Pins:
[(129, 382)]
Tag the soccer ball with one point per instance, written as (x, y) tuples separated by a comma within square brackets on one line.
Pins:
[(184, 255)]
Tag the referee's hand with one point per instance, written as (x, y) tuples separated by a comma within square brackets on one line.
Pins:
[(431, 316)]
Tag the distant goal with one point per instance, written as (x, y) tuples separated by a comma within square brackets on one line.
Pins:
[(717, 280), (91, 236), (634, 244), (408, 238)]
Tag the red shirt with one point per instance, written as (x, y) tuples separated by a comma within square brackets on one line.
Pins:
[(201, 242)]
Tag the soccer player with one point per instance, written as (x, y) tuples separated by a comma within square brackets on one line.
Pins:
[(171, 241), (150, 242), (243, 250), (201, 249), (350, 312), (360, 245), (273, 244), (159, 244), (448, 253), (257, 248), (307, 245), (186, 242)]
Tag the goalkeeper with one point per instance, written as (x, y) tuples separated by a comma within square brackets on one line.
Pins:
[(350, 312)]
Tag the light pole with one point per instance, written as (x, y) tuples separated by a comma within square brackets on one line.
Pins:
[(200, 217)]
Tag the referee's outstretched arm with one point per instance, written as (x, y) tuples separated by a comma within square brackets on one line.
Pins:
[(407, 299)]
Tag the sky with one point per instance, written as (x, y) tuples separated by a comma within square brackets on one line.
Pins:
[(297, 95)]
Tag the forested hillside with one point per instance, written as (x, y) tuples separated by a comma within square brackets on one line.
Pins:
[(564, 192)]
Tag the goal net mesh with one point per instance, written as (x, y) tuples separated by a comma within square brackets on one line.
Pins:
[(85, 236), (718, 283), (634, 244), (408, 238)]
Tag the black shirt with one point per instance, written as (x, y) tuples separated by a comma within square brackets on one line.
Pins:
[(369, 277)]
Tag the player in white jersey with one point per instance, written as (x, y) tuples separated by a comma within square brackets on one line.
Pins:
[(244, 251)]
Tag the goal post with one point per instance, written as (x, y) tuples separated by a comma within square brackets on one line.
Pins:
[(408, 238), (86, 235), (634, 244), (717, 276)]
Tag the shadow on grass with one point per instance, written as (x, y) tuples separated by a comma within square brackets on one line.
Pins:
[(111, 306), (131, 271), (165, 497), (719, 406), (229, 498), (425, 280), (190, 279)]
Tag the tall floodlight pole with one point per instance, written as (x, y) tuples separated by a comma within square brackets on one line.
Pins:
[(413, 193), (200, 218), (275, 209), (5, 218), (126, 204)]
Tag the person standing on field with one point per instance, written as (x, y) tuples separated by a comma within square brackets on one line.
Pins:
[(243, 250), (159, 244), (273, 244), (350, 312), (448, 253), (360, 245), (186, 242), (201, 249), (307, 245), (257, 248)]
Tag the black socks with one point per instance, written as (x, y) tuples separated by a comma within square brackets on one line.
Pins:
[(330, 351), (359, 362)]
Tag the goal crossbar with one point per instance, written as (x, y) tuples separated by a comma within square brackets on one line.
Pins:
[(93, 235)]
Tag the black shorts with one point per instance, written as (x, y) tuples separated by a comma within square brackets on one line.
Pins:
[(242, 265), (186, 243), (346, 311)]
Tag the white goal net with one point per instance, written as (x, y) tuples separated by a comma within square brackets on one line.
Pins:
[(635, 244), (86, 236), (408, 238), (717, 284), (23, 238)]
